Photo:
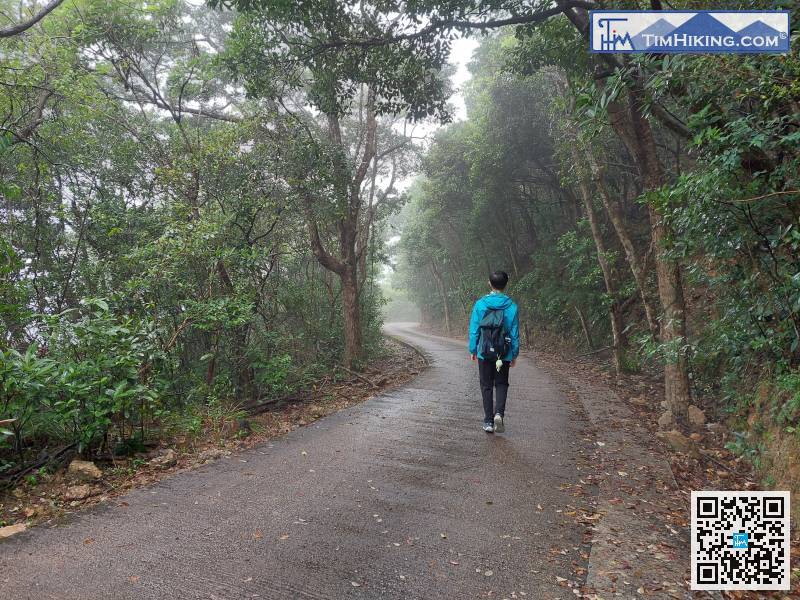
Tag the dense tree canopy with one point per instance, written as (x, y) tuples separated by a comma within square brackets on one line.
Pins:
[(162, 231)]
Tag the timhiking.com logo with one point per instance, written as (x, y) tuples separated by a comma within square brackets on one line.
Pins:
[(734, 32)]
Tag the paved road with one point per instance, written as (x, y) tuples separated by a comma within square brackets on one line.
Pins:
[(402, 496)]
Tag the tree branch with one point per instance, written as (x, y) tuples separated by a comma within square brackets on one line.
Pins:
[(200, 112), (670, 121), (325, 258), (25, 25), (436, 26)]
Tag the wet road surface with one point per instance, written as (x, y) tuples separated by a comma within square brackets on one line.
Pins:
[(402, 496)]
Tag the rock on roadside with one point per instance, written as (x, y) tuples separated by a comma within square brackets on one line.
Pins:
[(697, 418), (212, 454), (83, 470), (679, 442), (165, 460), (666, 420), (80, 492), (7, 532)]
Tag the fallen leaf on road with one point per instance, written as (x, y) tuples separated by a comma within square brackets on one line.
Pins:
[(133, 579), (257, 535), (88, 541)]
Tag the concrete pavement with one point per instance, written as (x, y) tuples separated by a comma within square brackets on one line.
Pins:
[(402, 496)]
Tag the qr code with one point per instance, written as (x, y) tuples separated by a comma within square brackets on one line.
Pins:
[(740, 540)]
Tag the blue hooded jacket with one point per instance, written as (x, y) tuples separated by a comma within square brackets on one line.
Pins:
[(510, 320)]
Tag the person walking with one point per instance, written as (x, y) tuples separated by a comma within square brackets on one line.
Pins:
[(494, 343)]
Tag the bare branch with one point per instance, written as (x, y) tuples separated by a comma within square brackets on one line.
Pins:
[(25, 25), (437, 26)]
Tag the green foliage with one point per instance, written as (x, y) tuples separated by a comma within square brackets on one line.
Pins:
[(92, 377), (133, 170), (788, 411), (24, 382), (109, 373), (735, 221), (270, 43)]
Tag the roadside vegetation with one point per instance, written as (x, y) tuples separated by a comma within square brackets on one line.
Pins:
[(186, 238)]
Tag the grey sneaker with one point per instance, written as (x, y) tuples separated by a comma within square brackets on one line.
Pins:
[(488, 427), (499, 427)]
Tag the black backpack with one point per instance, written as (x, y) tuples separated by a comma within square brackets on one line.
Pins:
[(493, 341)]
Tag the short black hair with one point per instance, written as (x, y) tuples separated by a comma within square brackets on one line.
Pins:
[(499, 280)]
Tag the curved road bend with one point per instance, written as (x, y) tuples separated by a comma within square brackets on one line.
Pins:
[(402, 496)]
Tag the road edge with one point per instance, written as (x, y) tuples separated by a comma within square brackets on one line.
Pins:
[(638, 547)]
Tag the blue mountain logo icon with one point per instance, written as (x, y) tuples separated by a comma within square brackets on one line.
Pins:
[(661, 27), (701, 24), (758, 28), (704, 24)]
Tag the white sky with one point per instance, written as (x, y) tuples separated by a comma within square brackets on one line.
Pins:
[(460, 56)]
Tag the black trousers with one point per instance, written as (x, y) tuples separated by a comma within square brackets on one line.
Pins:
[(491, 379)]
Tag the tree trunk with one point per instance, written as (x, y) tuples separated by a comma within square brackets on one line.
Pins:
[(463, 301), (584, 326), (633, 128), (606, 267), (349, 229), (621, 229), (245, 376), (352, 316), (443, 294), (636, 133)]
